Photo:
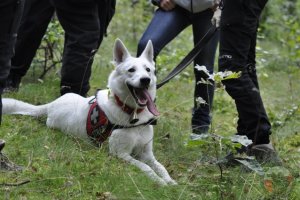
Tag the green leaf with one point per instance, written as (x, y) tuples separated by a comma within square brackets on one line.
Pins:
[(242, 139), (195, 143)]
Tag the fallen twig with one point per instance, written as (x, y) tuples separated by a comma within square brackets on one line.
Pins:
[(15, 184)]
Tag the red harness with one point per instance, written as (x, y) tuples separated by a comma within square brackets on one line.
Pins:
[(98, 126)]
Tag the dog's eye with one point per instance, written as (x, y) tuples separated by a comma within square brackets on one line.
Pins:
[(131, 70), (148, 69)]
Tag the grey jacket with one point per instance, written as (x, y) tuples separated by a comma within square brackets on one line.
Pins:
[(195, 6)]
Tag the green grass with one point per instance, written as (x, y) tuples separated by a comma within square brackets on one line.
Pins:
[(62, 167)]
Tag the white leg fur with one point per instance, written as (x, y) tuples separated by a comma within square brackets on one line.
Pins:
[(157, 167), (142, 166), (137, 142)]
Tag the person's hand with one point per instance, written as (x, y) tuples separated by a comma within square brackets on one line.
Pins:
[(216, 17), (167, 4)]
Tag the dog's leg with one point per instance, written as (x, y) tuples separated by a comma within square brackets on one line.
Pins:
[(144, 167), (149, 158)]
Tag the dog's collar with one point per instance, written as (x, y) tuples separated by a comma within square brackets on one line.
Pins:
[(129, 110)]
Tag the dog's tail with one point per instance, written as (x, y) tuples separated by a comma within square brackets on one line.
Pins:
[(13, 106)]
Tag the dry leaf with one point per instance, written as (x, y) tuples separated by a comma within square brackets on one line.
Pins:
[(290, 178), (268, 185)]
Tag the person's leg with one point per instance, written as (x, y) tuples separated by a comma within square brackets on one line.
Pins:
[(164, 27), (201, 112), (106, 11), (251, 62), (79, 19), (251, 68), (36, 17), (238, 26), (10, 16)]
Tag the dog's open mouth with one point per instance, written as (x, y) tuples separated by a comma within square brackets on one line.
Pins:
[(143, 98)]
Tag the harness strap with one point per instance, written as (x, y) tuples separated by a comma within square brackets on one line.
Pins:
[(98, 126), (152, 121)]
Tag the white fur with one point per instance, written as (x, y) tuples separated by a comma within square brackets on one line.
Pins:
[(69, 112)]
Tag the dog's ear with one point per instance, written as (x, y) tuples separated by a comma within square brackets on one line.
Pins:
[(120, 52), (148, 52)]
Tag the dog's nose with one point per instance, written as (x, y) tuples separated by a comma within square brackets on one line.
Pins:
[(145, 81)]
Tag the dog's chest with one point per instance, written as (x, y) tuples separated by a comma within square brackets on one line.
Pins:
[(143, 135), (139, 138)]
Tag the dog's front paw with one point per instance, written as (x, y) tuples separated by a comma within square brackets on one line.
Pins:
[(172, 182), (162, 182)]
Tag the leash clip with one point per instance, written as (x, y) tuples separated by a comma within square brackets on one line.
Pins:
[(133, 118)]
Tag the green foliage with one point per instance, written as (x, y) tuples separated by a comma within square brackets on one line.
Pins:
[(54, 32), (224, 150), (132, 18), (49, 54), (281, 23)]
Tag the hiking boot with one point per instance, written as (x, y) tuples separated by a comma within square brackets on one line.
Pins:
[(265, 153), (5, 163), (200, 129), (68, 89), (12, 83), (197, 131)]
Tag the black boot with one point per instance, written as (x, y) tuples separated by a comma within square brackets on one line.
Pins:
[(5, 163), (12, 83)]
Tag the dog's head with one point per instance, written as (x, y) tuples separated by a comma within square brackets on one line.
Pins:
[(133, 79)]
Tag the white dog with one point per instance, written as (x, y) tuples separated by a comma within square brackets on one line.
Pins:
[(124, 112)]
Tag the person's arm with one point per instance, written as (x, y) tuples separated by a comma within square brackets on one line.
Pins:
[(156, 2), (164, 4)]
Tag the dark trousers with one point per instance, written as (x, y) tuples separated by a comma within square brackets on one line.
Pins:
[(36, 17), (10, 16), (163, 28), (238, 33), (84, 23)]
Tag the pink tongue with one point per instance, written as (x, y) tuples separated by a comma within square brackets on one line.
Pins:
[(150, 104)]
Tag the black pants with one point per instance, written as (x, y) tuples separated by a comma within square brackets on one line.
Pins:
[(238, 32), (84, 23), (10, 16)]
